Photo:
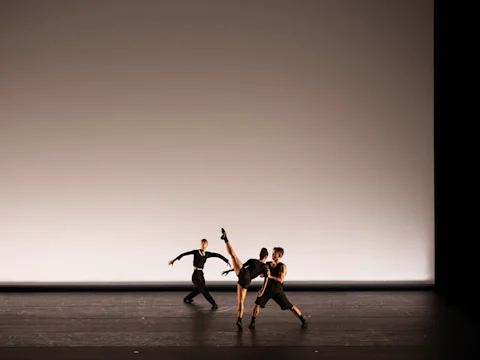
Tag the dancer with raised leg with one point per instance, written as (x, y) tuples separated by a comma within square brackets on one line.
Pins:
[(274, 290), (200, 257), (246, 273)]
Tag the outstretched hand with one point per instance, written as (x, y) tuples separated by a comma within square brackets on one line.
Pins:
[(170, 263), (228, 264), (225, 272)]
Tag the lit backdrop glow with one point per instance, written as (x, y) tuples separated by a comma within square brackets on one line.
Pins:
[(130, 130)]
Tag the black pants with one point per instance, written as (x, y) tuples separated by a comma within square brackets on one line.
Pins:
[(279, 297), (199, 282)]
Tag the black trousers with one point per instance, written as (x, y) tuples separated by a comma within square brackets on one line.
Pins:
[(200, 288), (279, 297)]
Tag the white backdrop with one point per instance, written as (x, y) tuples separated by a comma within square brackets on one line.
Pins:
[(130, 130)]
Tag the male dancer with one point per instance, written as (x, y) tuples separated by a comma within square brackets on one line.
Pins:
[(278, 271), (199, 259), (246, 273)]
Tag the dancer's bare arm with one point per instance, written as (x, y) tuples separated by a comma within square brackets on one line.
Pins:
[(281, 274), (266, 276), (227, 271), (262, 290)]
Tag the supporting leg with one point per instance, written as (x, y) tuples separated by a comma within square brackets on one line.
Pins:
[(255, 312), (202, 288), (189, 297), (236, 263), (296, 311), (241, 293), (282, 300)]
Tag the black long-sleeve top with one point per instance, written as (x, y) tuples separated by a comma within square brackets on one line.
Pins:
[(199, 260)]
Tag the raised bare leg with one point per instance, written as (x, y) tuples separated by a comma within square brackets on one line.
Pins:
[(237, 264)]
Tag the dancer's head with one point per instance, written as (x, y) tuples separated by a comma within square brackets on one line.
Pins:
[(204, 244), (277, 253), (263, 255)]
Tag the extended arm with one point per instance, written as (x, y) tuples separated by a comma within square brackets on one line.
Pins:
[(227, 271), (262, 290), (180, 256), (266, 275), (281, 274), (220, 256)]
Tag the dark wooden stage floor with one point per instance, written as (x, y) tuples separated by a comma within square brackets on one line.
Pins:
[(158, 325)]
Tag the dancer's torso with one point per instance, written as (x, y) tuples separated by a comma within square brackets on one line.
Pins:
[(255, 268), (273, 285)]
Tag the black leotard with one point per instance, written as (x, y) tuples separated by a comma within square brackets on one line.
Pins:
[(255, 268), (250, 270)]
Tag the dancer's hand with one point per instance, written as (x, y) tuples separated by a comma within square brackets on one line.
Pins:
[(170, 263), (228, 264), (260, 293), (225, 272)]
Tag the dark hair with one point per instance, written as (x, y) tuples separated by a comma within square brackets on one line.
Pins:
[(263, 253), (204, 240), (279, 250)]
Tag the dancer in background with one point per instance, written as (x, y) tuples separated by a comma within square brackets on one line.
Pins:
[(246, 273), (274, 290), (200, 257)]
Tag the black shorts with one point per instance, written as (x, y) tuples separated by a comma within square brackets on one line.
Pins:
[(244, 279), (280, 298)]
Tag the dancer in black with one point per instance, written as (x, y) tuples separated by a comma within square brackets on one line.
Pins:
[(200, 257), (246, 273), (274, 290)]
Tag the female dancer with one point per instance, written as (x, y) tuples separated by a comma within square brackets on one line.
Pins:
[(199, 259), (246, 273)]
